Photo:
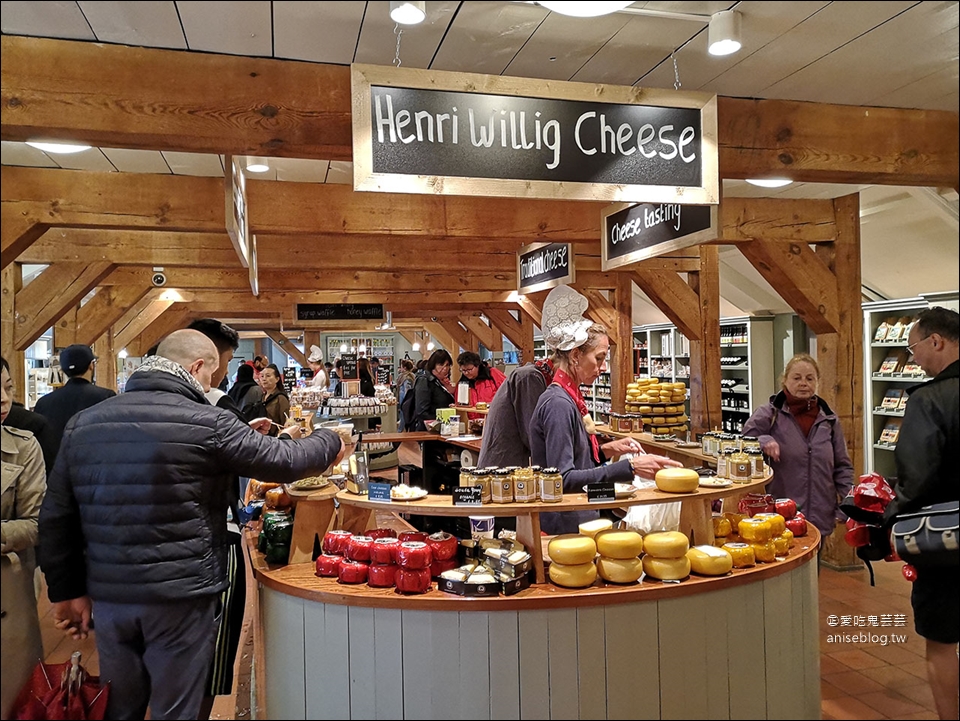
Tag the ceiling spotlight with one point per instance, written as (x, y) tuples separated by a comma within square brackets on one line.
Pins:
[(769, 182), (257, 166), (62, 148), (416, 346), (343, 347), (584, 9), (430, 346), (122, 354), (724, 33), (407, 12)]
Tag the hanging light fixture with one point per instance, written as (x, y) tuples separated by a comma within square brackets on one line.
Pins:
[(408, 12), (724, 33), (61, 148), (430, 346), (416, 347), (122, 354), (584, 9), (343, 347), (769, 182), (257, 165)]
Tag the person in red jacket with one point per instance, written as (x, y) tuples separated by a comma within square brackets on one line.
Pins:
[(482, 379)]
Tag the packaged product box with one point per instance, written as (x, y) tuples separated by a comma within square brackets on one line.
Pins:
[(891, 399), (892, 363), (902, 405), (891, 432), (880, 335), (912, 368)]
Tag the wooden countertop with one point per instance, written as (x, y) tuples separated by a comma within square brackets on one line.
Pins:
[(300, 580), (647, 441)]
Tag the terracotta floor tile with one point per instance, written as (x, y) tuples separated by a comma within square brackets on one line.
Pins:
[(830, 665), (853, 682), (891, 703), (856, 659), (849, 708), (828, 691), (919, 716), (920, 694), (892, 677), (894, 653), (917, 668)]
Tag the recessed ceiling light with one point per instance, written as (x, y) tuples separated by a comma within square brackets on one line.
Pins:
[(769, 182), (584, 9), (258, 167), (62, 148), (408, 13)]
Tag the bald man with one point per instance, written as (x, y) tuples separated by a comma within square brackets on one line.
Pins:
[(132, 525)]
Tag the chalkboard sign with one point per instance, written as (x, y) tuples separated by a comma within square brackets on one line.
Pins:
[(467, 496), (339, 311), (544, 265), (601, 491), (635, 232), (527, 138), (349, 371), (379, 491)]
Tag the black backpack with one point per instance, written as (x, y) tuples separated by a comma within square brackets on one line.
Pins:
[(407, 407)]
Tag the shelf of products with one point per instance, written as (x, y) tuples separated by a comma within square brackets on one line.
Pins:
[(381, 347), (889, 371), (746, 367)]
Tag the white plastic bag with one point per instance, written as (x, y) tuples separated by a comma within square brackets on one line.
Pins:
[(653, 517)]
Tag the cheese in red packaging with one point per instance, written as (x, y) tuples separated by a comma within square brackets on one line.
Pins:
[(413, 580), (376, 533), (358, 548), (352, 571), (786, 507), (798, 524), (439, 566), (335, 542), (382, 575), (384, 550), (328, 566), (414, 555), (443, 545), (405, 536)]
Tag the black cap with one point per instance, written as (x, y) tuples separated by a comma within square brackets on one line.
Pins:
[(75, 359)]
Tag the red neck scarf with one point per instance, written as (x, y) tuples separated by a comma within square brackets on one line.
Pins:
[(805, 411), (546, 370), (563, 379)]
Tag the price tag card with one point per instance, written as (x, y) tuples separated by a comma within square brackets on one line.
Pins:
[(379, 492), (467, 496), (601, 492)]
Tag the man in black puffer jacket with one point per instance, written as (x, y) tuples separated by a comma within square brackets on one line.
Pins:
[(134, 520)]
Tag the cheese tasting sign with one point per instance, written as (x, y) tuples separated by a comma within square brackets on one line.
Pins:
[(632, 233), (432, 132), (544, 265)]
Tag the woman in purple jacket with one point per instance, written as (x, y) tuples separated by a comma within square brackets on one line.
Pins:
[(803, 441)]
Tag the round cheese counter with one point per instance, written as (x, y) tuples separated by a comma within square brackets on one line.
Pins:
[(745, 645)]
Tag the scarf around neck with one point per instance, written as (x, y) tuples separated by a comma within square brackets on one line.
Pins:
[(159, 364), (563, 379), (804, 411)]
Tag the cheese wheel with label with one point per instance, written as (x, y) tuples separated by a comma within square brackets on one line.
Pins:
[(579, 575), (677, 480), (572, 549), (619, 570), (742, 554), (709, 561), (666, 569), (666, 544), (619, 544), (592, 528)]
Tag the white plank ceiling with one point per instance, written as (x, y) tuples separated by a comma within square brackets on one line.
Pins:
[(894, 54)]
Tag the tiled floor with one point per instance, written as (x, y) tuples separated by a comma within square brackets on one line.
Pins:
[(879, 678)]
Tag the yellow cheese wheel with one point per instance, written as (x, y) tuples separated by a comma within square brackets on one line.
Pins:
[(619, 570), (572, 549), (765, 551), (777, 522), (646, 410), (657, 410), (677, 480), (755, 530), (782, 545), (678, 398), (619, 544), (647, 420), (680, 386), (633, 386), (742, 554), (666, 544), (660, 429), (592, 528), (578, 575), (666, 569), (709, 561)]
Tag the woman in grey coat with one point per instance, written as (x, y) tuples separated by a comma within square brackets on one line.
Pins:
[(803, 441)]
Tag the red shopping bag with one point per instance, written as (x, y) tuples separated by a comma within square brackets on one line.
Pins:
[(61, 691)]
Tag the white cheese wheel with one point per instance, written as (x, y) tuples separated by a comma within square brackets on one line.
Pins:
[(677, 480), (579, 575), (592, 528), (709, 561), (619, 570), (666, 569), (572, 549), (619, 544), (666, 544)]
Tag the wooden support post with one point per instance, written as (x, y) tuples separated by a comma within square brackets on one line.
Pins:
[(600, 311), (678, 301), (532, 307), (441, 336), (462, 338), (20, 230), (12, 278), (310, 337), (287, 346), (527, 354), (65, 329), (491, 337), (705, 373), (622, 353), (105, 308), (58, 288), (138, 319), (106, 361), (513, 329), (174, 318)]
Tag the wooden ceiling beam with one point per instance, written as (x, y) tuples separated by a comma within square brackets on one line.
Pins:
[(491, 337), (259, 106), (109, 304), (152, 309), (286, 346), (163, 325), (799, 220), (674, 297)]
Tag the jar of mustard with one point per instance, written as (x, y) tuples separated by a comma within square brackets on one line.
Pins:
[(525, 486), (739, 467), (501, 486), (551, 485)]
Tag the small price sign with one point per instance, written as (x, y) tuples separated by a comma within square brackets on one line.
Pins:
[(467, 496), (379, 492), (601, 492)]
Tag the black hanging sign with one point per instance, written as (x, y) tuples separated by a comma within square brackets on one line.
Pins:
[(339, 311), (644, 230), (436, 132), (544, 265)]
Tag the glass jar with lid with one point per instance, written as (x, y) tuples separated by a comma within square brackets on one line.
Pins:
[(739, 467), (501, 485), (723, 463), (551, 485), (467, 477), (525, 488)]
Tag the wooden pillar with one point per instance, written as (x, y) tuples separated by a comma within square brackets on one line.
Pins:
[(12, 280), (65, 329), (98, 314), (621, 372), (287, 346), (106, 361), (441, 336), (705, 373), (312, 337)]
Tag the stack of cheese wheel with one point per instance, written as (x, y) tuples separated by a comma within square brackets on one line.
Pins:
[(709, 560), (666, 556), (758, 532), (661, 405), (619, 551), (782, 536), (571, 560)]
